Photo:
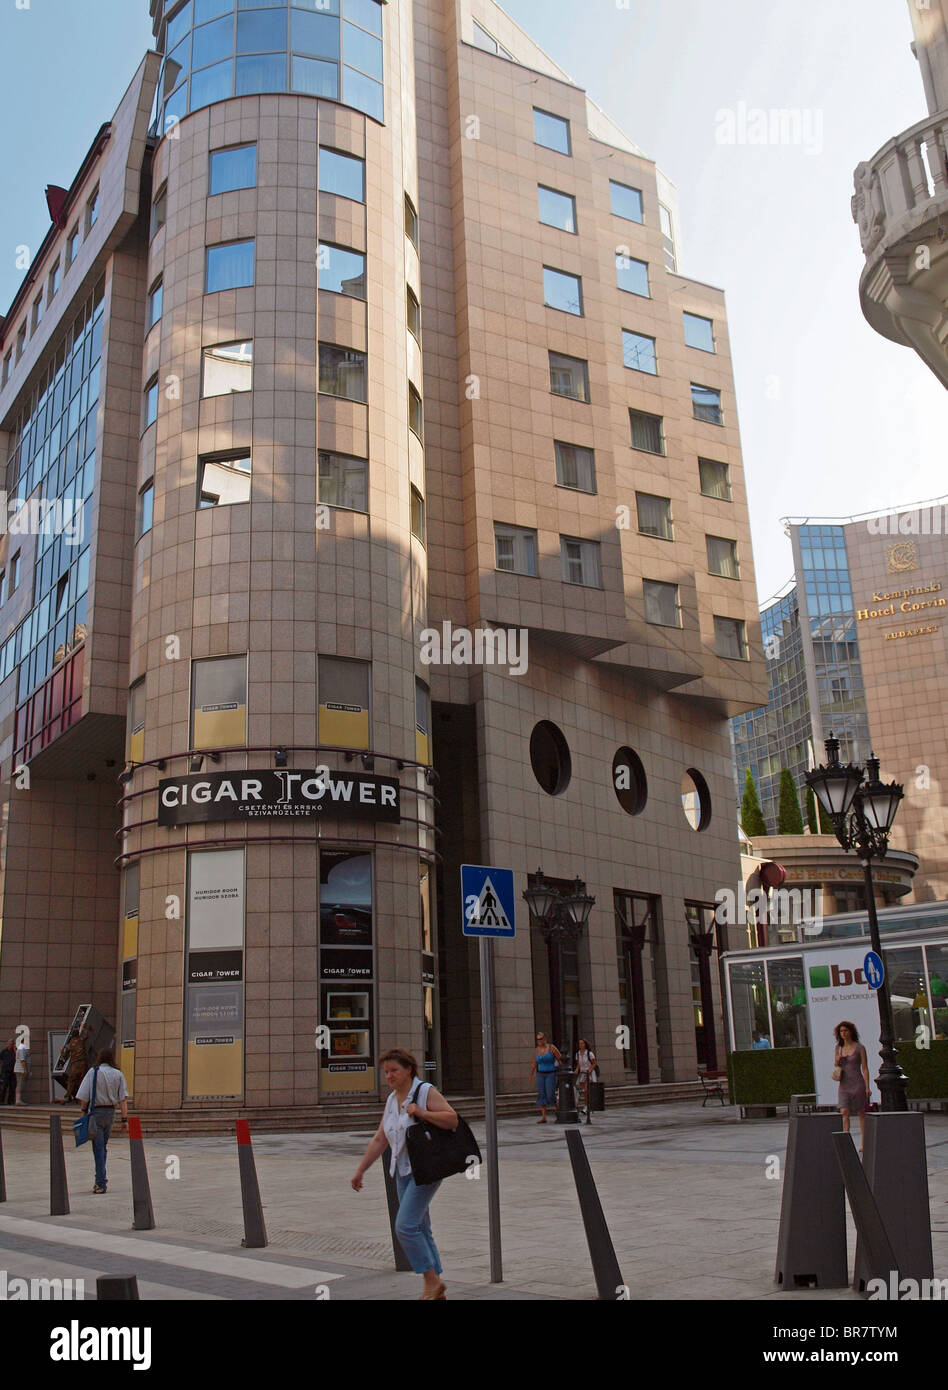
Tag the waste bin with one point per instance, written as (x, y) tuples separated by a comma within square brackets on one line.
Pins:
[(597, 1095)]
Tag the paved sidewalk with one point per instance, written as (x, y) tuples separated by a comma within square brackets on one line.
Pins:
[(685, 1191)]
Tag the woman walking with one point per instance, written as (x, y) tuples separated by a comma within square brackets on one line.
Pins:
[(585, 1066), (851, 1064), (409, 1101), (544, 1064)]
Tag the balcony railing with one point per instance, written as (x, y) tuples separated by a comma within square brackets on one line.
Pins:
[(908, 175)]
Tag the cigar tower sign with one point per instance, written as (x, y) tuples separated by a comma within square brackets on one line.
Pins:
[(273, 793)]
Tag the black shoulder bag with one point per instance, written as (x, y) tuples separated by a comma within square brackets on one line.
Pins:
[(437, 1153)]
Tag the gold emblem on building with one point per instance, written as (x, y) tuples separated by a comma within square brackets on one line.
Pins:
[(901, 557)]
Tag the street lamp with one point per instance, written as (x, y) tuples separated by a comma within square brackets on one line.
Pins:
[(561, 916), (862, 809)]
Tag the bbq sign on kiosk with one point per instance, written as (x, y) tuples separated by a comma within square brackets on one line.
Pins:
[(276, 793)]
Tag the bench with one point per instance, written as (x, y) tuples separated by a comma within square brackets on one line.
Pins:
[(713, 1084)]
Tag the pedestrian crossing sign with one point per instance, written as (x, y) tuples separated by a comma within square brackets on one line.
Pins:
[(487, 901)]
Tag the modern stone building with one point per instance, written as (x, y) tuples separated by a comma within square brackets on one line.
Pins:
[(415, 535)]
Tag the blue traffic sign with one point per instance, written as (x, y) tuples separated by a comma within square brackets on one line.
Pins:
[(487, 901), (873, 969)]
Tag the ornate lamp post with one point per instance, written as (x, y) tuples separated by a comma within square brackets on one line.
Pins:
[(862, 809), (560, 917)]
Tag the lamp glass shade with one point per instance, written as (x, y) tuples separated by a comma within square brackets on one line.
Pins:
[(880, 803), (541, 898), (578, 907), (835, 786)]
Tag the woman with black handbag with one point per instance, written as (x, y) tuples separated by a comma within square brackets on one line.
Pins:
[(410, 1101)]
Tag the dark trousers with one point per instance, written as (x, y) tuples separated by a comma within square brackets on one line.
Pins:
[(7, 1087)]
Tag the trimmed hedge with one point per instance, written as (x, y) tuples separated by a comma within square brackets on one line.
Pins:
[(925, 1067), (773, 1075)]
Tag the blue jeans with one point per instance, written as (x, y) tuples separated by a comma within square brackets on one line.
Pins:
[(413, 1224), (546, 1088), (104, 1116)]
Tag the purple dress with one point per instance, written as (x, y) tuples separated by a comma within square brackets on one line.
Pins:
[(852, 1087)]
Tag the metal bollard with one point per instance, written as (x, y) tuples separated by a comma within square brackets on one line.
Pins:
[(255, 1232), (143, 1214), (116, 1287), (58, 1190), (601, 1250)]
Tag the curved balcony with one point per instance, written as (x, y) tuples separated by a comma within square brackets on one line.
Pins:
[(901, 208)]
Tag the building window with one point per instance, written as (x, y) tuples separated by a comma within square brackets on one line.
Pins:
[(341, 372), (223, 481), (489, 44), (92, 211), (37, 312), (7, 363), (569, 376), (515, 549), (557, 209), (227, 368), (153, 313), (15, 573), (581, 562), (20, 341), (729, 638), (647, 432), (706, 404), (219, 702), (151, 403), (341, 174), (625, 201), (232, 169), (3, 587), (159, 210), (344, 708), (638, 352), (417, 515), (699, 332), (343, 481), (632, 275), (411, 222), (654, 515), (413, 309), (229, 267), (72, 245), (146, 510), (661, 603), (550, 131), (416, 418), (722, 557), (562, 291), (550, 758), (668, 237), (340, 270), (54, 279), (575, 466), (714, 480)]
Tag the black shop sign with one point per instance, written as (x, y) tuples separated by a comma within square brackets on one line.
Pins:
[(277, 794)]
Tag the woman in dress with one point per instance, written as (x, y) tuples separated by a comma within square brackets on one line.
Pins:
[(410, 1099), (850, 1058), (544, 1064)]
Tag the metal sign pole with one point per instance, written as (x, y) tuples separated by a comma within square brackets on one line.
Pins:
[(490, 1105)]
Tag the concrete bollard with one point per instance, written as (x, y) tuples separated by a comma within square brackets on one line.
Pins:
[(58, 1190), (255, 1232), (143, 1215), (116, 1287)]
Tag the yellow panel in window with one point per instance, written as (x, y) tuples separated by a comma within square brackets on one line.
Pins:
[(217, 726), (422, 747), (130, 937), (335, 1081), (127, 1067), (215, 1069), (136, 746), (345, 726)]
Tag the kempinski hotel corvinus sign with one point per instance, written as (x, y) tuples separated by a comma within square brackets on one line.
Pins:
[(277, 793)]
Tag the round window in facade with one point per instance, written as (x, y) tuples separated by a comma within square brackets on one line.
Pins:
[(629, 781), (549, 758), (695, 800)]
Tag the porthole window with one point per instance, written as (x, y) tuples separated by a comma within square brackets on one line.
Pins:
[(695, 800), (629, 781), (549, 758)]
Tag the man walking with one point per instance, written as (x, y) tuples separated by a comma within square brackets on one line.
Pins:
[(110, 1089)]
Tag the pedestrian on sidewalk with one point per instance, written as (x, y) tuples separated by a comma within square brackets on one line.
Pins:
[(585, 1066), (21, 1072), (409, 1101), (851, 1070), (111, 1089), (76, 1051), (544, 1064), (7, 1075)]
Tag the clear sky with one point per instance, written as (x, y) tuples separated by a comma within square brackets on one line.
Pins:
[(834, 419)]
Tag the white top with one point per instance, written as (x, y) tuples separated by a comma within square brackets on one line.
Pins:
[(395, 1122), (22, 1064), (110, 1087), (585, 1061)]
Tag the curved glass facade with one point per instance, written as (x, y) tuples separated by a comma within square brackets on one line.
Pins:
[(215, 49)]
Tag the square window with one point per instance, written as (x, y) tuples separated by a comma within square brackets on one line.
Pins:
[(654, 515), (722, 557), (411, 222), (414, 315), (261, 31), (706, 404), (569, 376), (341, 174), (315, 77), (699, 332), (153, 313), (227, 368), (632, 275), (714, 479), (362, 92), (515, 549), (344, 693), (416, 420), (557, 209), (625, 201), (229, 267), (340, 270), (361, 50), (730, 640), (316, 35), (417, 515), (343, 481), (261, 72), (661, 603), (219, 702), (341, 372), (581, 562), (151, 403), (550, 131), (212, 84), (159, 210), (210, 43), (223, 481), (562, 291), (232, 169), (575, 466), (146, 510), (638, 352)]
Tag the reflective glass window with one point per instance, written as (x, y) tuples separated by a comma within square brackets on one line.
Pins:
[(706, 404), (212, 42), (230, 169), (151, 403), (212, 84), (625, 201), (229, 267), (632, 275), (154, 306), (557, 209), (562, 291), (699, 332), (316, 34), (323, 6), (341, 271), (178, 62), (259, 4), (261, 31), (210, 9), (342, 174), (222, 482), (177, 106), (361, 50), (368, 13), (264, 72), (146, 509), (638, 352), (343, 481), (228, 367), (569, 376), (414, 315), (416, 415), (551, 131), (178, 27), (341, 372), (316, 78), (661, 603), (363, 93)]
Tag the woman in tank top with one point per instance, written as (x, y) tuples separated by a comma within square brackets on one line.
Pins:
[(544, 1064)]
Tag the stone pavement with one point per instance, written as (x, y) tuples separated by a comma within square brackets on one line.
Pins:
[(685, 1191)]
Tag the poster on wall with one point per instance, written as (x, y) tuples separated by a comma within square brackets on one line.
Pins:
[(215, 1000), (215, 1020), (837, 992), (216, 900), (345, 939)]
